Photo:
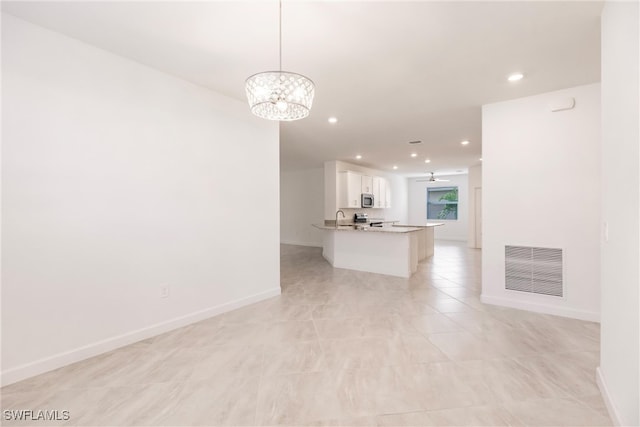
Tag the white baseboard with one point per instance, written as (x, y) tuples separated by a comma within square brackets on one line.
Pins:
[(296, 243), (542, 308), (602, 385), (59, 360)]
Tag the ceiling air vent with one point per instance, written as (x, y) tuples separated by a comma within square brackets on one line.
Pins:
[(415, 142), (534, 270)]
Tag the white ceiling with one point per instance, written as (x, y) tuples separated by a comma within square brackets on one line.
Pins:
[(391, 72)]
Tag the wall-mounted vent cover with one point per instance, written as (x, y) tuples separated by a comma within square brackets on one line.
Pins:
[(534, 270)]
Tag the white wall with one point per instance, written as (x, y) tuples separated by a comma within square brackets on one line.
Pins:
[(475, 182), (330, 189), (118, 179), (620, 207), (451, 230), (301, 204), (398, 185), (541, 188)]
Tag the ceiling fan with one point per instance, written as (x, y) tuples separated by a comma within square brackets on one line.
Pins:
[(432, 179)]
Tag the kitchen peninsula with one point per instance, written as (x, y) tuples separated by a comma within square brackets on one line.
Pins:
[(392, 249), (426, 239), (385, 250)]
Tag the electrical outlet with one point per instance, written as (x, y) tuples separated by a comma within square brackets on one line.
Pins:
[(164, 291)]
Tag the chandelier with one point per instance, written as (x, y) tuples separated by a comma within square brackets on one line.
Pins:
[(280, 95)]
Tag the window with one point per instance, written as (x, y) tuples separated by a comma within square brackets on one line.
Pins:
[(442, 203)]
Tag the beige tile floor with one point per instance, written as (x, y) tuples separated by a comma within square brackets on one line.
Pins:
[(341, 347)]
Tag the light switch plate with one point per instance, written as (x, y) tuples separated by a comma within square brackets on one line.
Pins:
[(164, 291)]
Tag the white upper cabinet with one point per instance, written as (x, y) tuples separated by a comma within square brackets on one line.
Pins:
[(387, 194), (349, 190), (351, 185), (367, 184), (381, 200), (380, 188), (382, 192), (376, 191)]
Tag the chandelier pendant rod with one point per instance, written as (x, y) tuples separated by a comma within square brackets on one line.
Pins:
[(280, 33)]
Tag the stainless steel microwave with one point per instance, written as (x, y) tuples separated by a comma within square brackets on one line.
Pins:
[(367, 200)]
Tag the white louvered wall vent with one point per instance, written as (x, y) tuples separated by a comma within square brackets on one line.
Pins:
[(534, 270)]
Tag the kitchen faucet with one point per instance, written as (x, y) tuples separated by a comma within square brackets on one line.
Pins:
[(339, 211)]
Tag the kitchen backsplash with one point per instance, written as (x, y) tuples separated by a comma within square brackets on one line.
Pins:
[(372, 213)]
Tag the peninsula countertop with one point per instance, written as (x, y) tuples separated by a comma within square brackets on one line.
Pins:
[(426, 225), (367, 228)]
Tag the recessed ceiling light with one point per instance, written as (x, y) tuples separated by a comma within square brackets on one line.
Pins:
[(465, 142), (480, 159), (358, 157), (515, 77), (414, 155), (427, 161), (333, 120), (395, 167)]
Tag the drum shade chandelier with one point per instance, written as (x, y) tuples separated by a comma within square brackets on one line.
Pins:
[(280, 95)]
